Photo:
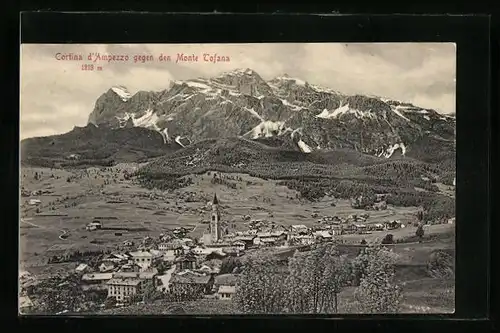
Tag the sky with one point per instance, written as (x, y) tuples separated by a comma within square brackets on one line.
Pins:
[(57, 95)]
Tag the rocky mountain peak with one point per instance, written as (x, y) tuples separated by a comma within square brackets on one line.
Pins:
[(241, 103)]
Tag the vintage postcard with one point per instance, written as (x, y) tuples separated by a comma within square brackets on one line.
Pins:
[(297, 178)]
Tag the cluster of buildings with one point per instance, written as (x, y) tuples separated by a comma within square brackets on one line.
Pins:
[(175, 263), (355, 224)]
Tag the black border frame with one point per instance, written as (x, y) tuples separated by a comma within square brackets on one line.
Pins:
[(471, 33)]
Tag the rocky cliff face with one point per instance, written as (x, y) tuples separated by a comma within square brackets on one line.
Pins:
[(300, 114)]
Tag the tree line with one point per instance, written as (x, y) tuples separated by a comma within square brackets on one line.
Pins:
[(313, 281)]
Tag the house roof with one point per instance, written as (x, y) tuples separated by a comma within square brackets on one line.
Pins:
[(171, 246), (148, 274), (107, 264), (97, 276), (189, 278), (245, 238), (141, 254), (268, 240), (226, 279), (81, 267), (227, 290), (323, 233), (124, 282), (187, 257), (215, 201), (25, 301)]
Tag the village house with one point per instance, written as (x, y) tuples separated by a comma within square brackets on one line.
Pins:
[(195, 281), (34, 202), (115, 257), (106, 267), (323, 235), (361, 228), (299, 228), (225, 286), (122, 289), (240, 245), (144, 258), (392, 225), (185, 262), (382, 205), (247, 239), (83, 268), (93, 226), (130, 267), (149, 275), (232, 251), (203, 250), (174, 248), (25, 304), (302, 239), (96, 280)]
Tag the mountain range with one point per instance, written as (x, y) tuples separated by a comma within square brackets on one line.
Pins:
[(284, 113)]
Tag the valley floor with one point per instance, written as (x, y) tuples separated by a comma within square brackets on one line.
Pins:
[(70, 199)]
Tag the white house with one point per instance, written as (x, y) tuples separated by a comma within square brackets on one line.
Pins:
[(225, 286), (299, 228), (83, 268), (144, 259), (240, 245), (34, 202), (203, 251)]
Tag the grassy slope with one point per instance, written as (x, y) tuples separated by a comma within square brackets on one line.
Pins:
[(96, 146)]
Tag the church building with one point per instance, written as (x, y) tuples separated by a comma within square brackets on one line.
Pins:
[(215, 230)]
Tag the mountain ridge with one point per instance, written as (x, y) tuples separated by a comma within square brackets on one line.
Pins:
[(241, 103)]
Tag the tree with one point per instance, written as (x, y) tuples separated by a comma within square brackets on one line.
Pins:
[(184, 293), (440, 265), (420, 215), (378, 292), (420, 232), (388, 239), (260, 288), (229, 264), (315, 279), (363, 241), (150, 293)]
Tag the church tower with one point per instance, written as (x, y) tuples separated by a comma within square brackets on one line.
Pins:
[(215, 228)]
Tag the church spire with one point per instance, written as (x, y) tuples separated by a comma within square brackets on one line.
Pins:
[(215, 201)]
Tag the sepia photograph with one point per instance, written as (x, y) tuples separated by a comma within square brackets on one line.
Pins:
[(233, 179)]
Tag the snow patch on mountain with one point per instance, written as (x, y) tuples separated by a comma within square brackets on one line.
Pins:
[(178, 141), (149, 119), (267, 129), (304, 147), (344, 109), (164, 134), (396, 111), (293, 106), (390, 151), (295, 80), (122, 92), (254, 113)]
